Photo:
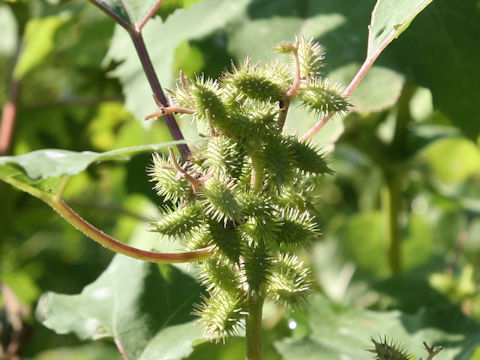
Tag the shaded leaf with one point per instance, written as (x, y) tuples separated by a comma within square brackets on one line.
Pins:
[(338, 332), (441, 52), (145, 308)]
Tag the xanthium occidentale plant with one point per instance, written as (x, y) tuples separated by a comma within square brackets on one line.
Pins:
[(248, 191)]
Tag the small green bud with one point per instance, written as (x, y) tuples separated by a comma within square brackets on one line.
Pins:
[(308, 158), (180, 222), (257, 264), (285, 47), (255, 204), (167, 183), (219, 275), (223, 154), (289, 282), (311, 56), (255, 83), (322, 97), (227, 240), (277, 159), (388, 350), (297, 230), (200, 238), (261, 230), (219, 202), (222, 314)]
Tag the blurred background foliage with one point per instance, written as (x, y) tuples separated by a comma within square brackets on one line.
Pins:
[(407, 161)]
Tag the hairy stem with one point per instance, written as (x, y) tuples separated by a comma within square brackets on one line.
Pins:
[(296, 80), (120, 348), (284, 105), (254, 327), (113, 244), (10, 108), (256, 180), (157, 90), (9, 115), (102, 6), (148, 16)]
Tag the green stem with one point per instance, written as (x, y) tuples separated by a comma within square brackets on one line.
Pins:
[(391, 203), (392, 193), (256, 180), (254, 327)]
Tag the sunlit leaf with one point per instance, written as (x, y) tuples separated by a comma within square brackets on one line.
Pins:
[(439, 51), (38, 43), (44, 170)]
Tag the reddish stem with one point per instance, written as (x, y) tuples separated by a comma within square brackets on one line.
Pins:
[(138, 42), (148, 16), (157, 89), (102, 6), (120, 348), (113, 244), (367, 64), (9, 116)]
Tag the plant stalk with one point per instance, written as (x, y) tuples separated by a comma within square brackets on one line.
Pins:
[(113, 244), (391, 203), (392, 192), (135, 32), (254, 327), (157, 89)]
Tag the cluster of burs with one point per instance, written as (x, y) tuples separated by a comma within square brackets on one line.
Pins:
[(248, 191)]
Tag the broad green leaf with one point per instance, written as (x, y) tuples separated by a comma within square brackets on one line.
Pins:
[(337, 332), (162, 40), (145, 308), (441, 51), (44, 164), (38, 43), (391, 18), (42, 173)]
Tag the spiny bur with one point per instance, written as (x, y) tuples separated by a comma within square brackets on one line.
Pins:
[(247, 191), (385, 349)]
